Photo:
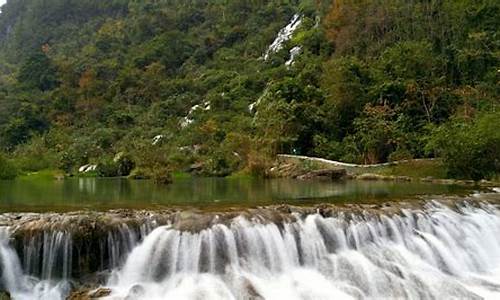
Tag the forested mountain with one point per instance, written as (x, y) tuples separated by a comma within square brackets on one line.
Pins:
[(225, 85)]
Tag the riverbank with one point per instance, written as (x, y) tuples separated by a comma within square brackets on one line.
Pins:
[(423, 170)]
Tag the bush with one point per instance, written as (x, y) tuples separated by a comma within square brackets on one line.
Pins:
[(120, 165), (162, 175), (124, 163), (107, 168), (7, 169), (34, 156), (470, 149), (400, 154), (259, 164)]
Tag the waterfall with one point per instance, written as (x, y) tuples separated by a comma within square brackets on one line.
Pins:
[(435, 253), (10, 267), (294, 52), (284, 35), (24, 287), (53, 259)]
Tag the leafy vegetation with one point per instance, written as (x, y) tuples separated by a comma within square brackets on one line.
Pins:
[(184, 85), (7, 169), (470, 148)]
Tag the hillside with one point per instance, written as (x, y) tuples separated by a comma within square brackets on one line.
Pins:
[(217, 87)]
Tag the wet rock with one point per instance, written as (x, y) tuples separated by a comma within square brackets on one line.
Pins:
[(99, 293), (4, 295), (87, 294), (252, 291), (329, 174), (194, 222)]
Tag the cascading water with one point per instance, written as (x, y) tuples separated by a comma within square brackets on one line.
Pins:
[(436, 252), (22, 286), (51, 261), (283, 36), (49, 255)]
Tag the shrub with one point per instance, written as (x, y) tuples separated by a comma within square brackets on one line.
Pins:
[(121, 165), (7, 169), (162, 175), (124, 164), (400, 154), (107, 168), (34, 155), (470, 149)]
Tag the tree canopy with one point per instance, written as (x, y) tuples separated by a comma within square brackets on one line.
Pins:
[(359, 81)]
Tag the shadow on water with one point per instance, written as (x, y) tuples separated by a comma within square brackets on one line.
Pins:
[(204, 193)]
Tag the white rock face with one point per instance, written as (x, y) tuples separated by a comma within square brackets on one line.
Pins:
[(252, 106), (284, 35), (294, 52), (157, 139), (187, 120), (87, 168)]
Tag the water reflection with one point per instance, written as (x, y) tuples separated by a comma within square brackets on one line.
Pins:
[(99, 193)]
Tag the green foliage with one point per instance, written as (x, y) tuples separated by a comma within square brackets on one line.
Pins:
[(35, 155), (7, 169), (38, 71), (95, 78), (162, 175), (470, 149)]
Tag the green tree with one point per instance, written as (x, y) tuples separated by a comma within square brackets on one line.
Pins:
[(39, 72), (469, 148)]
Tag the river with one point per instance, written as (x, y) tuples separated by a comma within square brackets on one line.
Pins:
[(352, 240)]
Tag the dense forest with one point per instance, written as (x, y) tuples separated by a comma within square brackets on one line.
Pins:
[(221, 86)]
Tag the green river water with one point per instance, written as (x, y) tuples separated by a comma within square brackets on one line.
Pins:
[(203, 193)]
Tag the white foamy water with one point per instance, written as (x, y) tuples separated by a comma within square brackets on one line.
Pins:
[(294, 52), (433, 253), (436, 254), (22, 286), (283, 36), (188, 119)]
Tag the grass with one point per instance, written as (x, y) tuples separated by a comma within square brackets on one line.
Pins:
[(181, 175), (47, 174), (414, 169)]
